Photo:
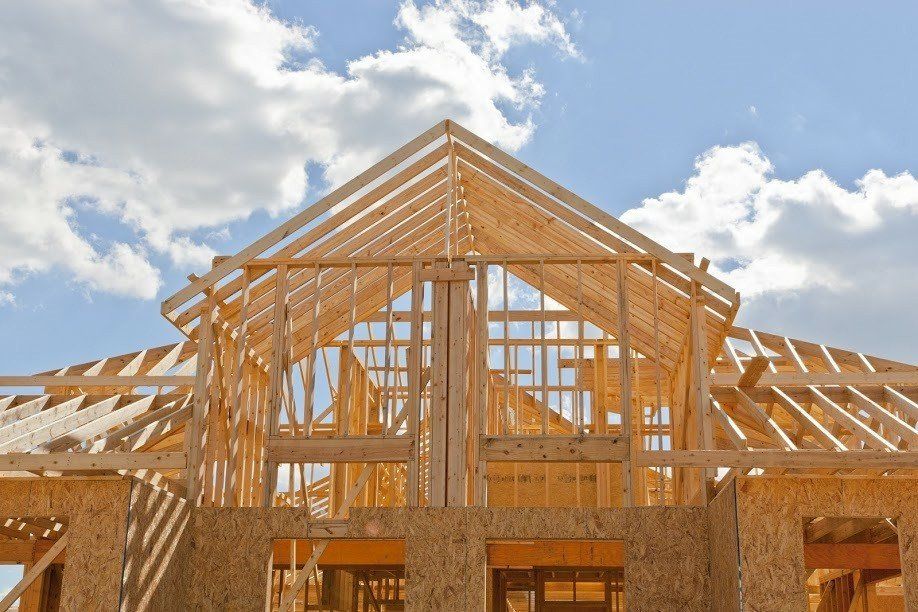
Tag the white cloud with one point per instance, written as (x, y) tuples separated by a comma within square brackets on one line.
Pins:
[(810, 257), (172, 116), (501, 24), (38, 226)]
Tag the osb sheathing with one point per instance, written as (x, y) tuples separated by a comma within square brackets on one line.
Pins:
[(157, 550), (724, 549), (445, 551), (97, 513), (231, 549), (533, 485), (770, 526)]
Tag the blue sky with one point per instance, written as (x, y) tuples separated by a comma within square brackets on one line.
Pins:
[(180, 120), (816, 85)]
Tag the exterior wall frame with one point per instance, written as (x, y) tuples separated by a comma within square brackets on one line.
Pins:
[(770, 514)]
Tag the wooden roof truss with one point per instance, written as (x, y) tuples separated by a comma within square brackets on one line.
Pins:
[(368, 351)]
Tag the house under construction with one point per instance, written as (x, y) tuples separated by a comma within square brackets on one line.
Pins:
[(453, 384)]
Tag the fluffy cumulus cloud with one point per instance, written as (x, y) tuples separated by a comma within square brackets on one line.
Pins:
[(170, 117), (809, 256)]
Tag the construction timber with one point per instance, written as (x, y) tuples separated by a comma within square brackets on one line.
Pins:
[(450, 382)]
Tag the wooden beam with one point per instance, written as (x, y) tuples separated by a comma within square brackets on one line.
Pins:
[(482, 380), (857, 428), (556, 553), (194, 433), (457, 389), (891, 422), (351, 449), (734, 433), (753, 372), (96, 381), (80, 462), (555, 448), (446, 274), (343, 552), (414, 360), (630, 420), (439, 398), (851, 556), (784, 379), (25, 551), (799, 459)]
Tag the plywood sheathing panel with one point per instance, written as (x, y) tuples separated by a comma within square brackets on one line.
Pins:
[(770, 526), (724, 549), (444, 561), (664, 569), (562, 479), (97, 514), (157, 573), (663, 566), (231, 549), (230, 559), (445, 555)]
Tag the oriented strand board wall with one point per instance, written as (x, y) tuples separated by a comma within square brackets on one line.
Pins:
[(770, 528), (665, 548), (97, 511), (531, 481), (231, 549), (724, 549), (666, 565), (158, 547)]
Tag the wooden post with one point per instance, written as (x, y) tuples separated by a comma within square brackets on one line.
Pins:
[(309, 374), (439, 382), (415, 358), (661, 492), (346, 363), (629, 431), (505, 409), (236, 390), (457, 412), (579, 356), (482, 379), (543, 356), (599, 417), (195, 431), (701, 379), (276, 376)]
